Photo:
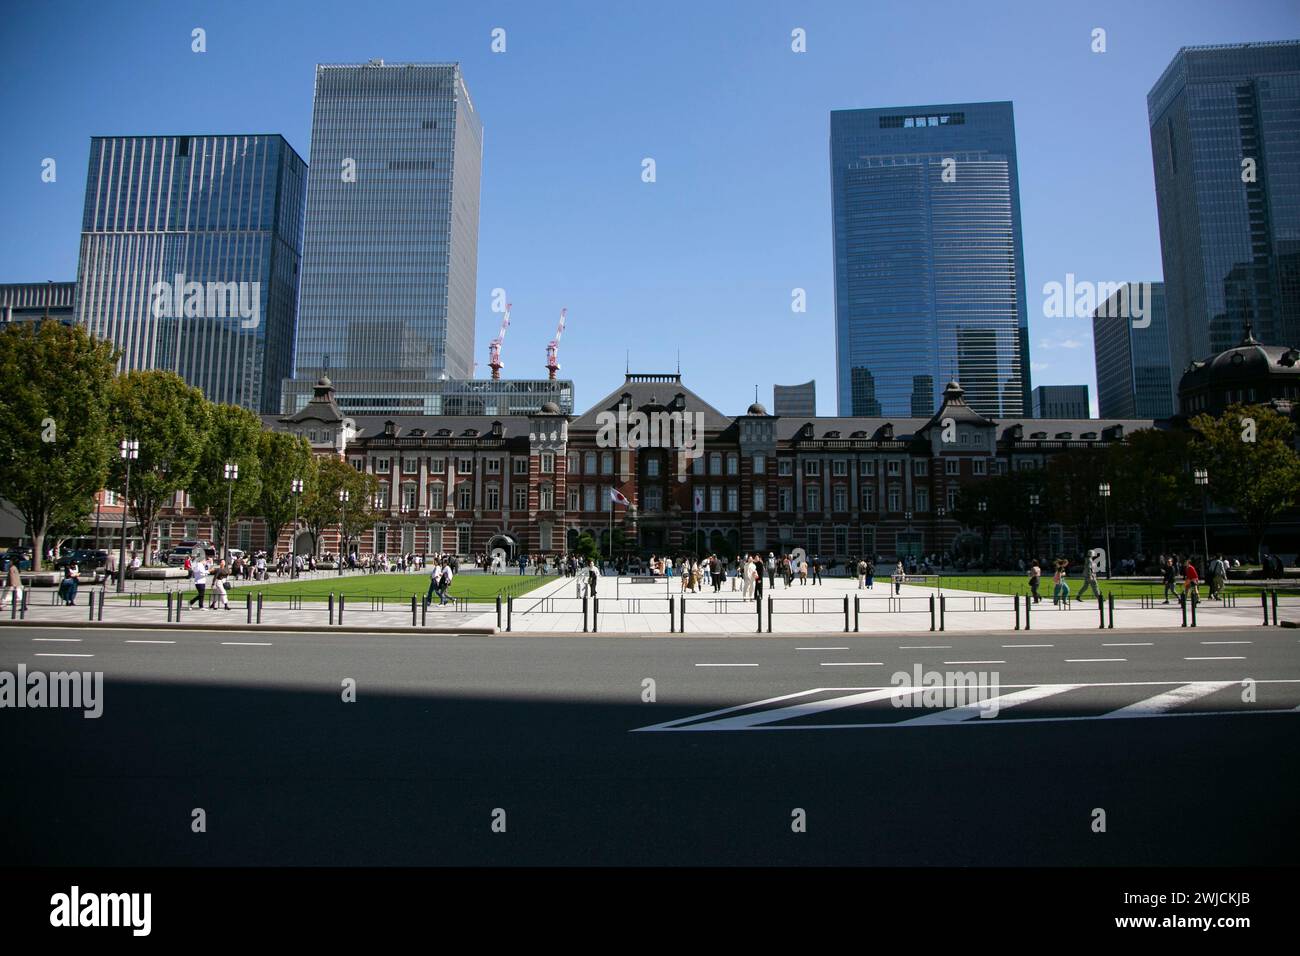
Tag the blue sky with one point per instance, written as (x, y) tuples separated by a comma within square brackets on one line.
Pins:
[(704, 259)]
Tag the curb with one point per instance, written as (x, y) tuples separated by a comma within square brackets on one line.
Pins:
[(253, 629)]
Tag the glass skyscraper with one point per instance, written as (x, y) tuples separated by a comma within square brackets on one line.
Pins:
[(189, 258), (929, 269), (390, 259), (1133, 369), (1225, 143)]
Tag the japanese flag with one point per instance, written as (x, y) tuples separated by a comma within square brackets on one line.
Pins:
[(618, 498)]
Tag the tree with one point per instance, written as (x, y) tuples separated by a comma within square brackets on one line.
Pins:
[(587, 548), (975, 508), (1073, 486), (233, 437), (321, 508), (1249, 452), (54, 439), (1152, 485), (170, 420), (284, 458)]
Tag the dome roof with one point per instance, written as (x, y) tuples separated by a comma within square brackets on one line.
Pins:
[(550, 408), (1249, 359), (756, 409)]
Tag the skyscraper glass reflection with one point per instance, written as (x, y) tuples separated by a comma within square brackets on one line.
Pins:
[(929, 269), (1225, 143), (189, 258), (390, 259)]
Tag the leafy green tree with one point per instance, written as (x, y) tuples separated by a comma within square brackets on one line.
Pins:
[(54, 436), (321, 508), (1151, 483), (284, 457), (170, 420), (233, 437), (1249, 453), (587, 548)]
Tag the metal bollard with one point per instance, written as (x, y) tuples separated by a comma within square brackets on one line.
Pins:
[(932, 612), (1263, 602), (1101, 612), (584, 615), (331, 609), (846, 615), (510, 607), (595, 614), (857, 612), (101, 605), (943, 603), (1015, 603), (180, 599), (248, 607), (1110, 600), (1028, 602), (758, 607), (672, 615), (259, 607), (22, 613), (1182, 603), (1195, 601), (342, 601), (424, 613), (769, 615), (1275, 607), (169, 607), (426, 604)]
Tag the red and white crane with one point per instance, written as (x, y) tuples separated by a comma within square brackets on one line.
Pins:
[(553, 348), (494, 347)]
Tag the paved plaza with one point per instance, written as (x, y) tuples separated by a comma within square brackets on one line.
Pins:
[(836, 605)]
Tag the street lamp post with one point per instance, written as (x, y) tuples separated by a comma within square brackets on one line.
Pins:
[(296, 491), (128, 450), (1103, 489), (343, 523), (907, 516), (232, 475), (1202, 478)]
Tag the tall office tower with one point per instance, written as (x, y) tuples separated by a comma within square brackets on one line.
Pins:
[(36, 301), (929, 271), (796, 401), (862, 394), (1132, 353), (189, 258), (1227, 167), (390, 261), (1061, 401), (922, 396)]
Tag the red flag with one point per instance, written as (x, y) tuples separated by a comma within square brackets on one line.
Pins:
[(616, 496)]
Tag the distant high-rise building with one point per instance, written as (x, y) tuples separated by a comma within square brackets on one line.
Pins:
[(922, 396), (929, 268), (1226, 150), (390, 259), (799, 401), (862, 394), (1132, 354), (1061, 401), (189, 258), (35, 301)]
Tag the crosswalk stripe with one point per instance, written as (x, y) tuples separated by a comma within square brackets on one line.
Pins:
[(967, 711), (1168, 700), (802, 709)]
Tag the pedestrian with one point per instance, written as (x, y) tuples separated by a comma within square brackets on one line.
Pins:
[(771, 570), (1089, 577), (1168, 575), (758, 575), (199, 574), (13, 590), (1218, 576), (219, 588), (869, 573), (1035, 575), (899, 575), (1060, 585), (1191, 581), (68, 586)]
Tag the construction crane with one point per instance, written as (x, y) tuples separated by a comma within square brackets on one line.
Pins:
[(553, 347), (494, 347)]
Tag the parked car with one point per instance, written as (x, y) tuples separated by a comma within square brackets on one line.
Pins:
[(84, 558), (21, 556), (189, 549)]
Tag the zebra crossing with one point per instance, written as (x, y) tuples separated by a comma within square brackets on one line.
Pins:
[(979, 703)]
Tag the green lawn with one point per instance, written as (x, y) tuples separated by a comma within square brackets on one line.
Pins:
[(479, 588), (1120, 587)]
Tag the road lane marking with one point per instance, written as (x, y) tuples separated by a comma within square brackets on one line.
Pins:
[(1094, 660), (65, 655), (974, 662), (852, 664), (1133, 644), (821, 648), (67, 640), (1168, 700), (1227, 642), (151, 642), (1006, 646), (726, 665), (1214, 658), (803, 709), (926, 647), (246, 643), (968, 711)]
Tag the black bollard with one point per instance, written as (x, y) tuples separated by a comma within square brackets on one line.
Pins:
[(342, 601), (943, 603), (1275, 607), (857, 613), (1263, 602), (584, 615), (412, 610), (932, 612), (1015, 603), (101, 605), (1101, 612), (248, 607), (595, 615), (1195, 601), (510, 607), (769, 615), (846, 615), (672, 615), (259, 607), (331, 609), (426, 604), (1182, 604)]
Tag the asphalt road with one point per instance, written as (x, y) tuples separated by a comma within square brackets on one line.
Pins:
[(555, 732)]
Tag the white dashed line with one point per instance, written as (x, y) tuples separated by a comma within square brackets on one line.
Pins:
[(63, 640), (1227, 642), (1135, 644), (726, 665), (1214, 658), (852, 664), (65, 655), (151, 642), (1094, 660), (974, 662), (821, 648), (1007, 646), (926, 647), (246, 643)]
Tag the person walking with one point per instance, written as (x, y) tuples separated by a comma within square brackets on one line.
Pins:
[(1035, 575), (1060, 585), (68, 586), (1167, 575), (1089, 578), (199, 575), (771, 571), (219, 588), (817, 570), (758, 575), (13, 590), (1191, 581), (803, 573), (870, 574), (899, 574), (1218, 575)]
